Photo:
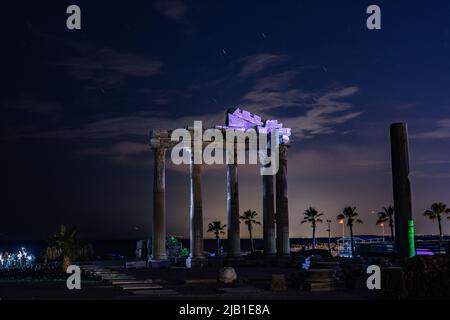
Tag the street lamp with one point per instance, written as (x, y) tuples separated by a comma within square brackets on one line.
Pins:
[(341, 221), (382, 226)]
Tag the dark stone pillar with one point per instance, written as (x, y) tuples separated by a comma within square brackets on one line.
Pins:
[(159, 206), (282, 209), (401, 187), (234, 239), (268, 215), (197, 257)]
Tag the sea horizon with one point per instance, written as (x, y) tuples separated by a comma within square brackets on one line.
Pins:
[(127, 247)]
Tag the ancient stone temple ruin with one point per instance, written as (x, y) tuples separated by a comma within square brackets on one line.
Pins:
[(276, 235)]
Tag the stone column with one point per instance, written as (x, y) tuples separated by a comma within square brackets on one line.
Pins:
[(159, 206), (234, 239), (197, 257), (282, 210), (401, 187), (268, 215)]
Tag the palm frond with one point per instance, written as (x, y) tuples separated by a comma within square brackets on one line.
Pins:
[(311, 215)]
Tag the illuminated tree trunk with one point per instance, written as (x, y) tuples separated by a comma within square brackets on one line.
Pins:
[(217, 242), (352, 241), (66, 263), (251, 237), (314, 235), (440, 227), (391, 225)]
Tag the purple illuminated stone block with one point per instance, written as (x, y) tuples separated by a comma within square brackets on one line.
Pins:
[(243, 120), (424, 252)]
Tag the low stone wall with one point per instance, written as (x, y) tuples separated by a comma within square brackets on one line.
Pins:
[(419, 278)]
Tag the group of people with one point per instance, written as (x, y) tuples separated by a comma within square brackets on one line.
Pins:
[(52, 270), (19, 259)]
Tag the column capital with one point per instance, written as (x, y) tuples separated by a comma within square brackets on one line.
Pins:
[(283, 151)]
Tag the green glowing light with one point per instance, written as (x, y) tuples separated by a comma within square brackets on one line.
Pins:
[(412, 247)]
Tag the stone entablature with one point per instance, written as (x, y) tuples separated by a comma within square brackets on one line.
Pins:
[(276, 239)]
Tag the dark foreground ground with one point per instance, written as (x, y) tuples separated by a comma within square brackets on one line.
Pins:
[(190, 284)]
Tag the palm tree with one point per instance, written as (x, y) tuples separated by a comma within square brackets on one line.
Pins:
[(329, 234), (311, 215), (350, 214), (249, 217), (387, 215), (217, 228), (436, 212), (65, 242)]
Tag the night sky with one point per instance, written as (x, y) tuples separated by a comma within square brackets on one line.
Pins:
[(77, 107)]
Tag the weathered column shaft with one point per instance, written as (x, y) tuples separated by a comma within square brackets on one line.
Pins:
[(282, 209), (196, 208), (401, 186), (268, 215), (234, 239), (159, 206)]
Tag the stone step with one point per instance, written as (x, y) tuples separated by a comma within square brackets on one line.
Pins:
[(324, 264), (91, 267), (324, 286), (161, 292), (100, 273), (108, 274), (135, 264), (331, 280), (321, 271), (112, 275), (201, 281), (96, 270), (96, 273), (141, 287), (119, 277), (320, 274), (240, 290), (130, 282)]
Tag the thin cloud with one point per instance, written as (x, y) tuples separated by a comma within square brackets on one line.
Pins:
[(172, 9), (122, 153), (35, 106), (441, 131), (134, 129), (106, 66), (337, 160), (253, 65), (323, 109), (124, 137), (29, 115)]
